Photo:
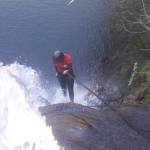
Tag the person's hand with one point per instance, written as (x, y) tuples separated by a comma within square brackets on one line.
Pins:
[(65, 72), (56, 74)]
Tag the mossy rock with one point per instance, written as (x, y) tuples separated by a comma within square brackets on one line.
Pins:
[(146, 66), (146, 100)]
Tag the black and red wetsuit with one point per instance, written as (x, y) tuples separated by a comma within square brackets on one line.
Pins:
[(65, 80)]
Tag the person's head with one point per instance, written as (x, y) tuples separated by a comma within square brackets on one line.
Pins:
[(58, 56)]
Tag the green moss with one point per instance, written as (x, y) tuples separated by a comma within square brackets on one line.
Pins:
[(146, 66), (146, 100), (137, 89)]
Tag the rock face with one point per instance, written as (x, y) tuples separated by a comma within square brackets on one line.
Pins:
[(78, 127)]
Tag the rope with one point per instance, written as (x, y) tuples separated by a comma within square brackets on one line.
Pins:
[(120, 114)]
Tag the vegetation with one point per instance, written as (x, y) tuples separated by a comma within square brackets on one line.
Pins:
[(133, 74), (129, 30)]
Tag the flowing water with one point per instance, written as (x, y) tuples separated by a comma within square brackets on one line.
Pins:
[(21, 126), (30, 31)]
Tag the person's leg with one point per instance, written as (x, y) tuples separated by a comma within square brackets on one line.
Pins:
[(62, 81), (70, 85)]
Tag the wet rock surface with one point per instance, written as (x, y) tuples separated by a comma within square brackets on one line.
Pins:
[(78, 127), (108, 93)]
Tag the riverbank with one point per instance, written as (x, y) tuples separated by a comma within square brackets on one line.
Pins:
[(128, 29)]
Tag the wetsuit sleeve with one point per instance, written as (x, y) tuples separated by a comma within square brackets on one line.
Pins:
[(69, 67), (56, 69)]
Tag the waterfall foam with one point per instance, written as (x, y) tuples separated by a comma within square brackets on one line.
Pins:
[(21, 126)]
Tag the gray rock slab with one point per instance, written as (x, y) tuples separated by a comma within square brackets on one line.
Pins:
[(78, 127)]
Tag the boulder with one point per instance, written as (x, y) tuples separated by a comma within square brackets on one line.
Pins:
[(78, 127)]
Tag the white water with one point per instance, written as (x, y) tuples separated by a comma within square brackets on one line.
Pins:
[(80, 97), (21, 126)]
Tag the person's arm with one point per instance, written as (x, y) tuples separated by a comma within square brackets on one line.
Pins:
[(68, 69), (56, 71)]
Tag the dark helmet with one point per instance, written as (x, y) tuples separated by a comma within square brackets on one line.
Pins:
[(58, 56)]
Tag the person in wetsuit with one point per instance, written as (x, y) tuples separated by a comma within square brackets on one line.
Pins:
[(63, 66)]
